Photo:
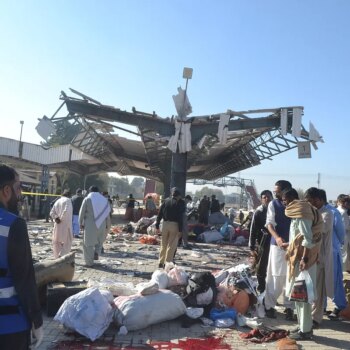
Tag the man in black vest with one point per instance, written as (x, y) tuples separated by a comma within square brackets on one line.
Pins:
[(171, 211)]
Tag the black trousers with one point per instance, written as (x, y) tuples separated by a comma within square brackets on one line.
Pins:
[(15, 341), (262, 267)]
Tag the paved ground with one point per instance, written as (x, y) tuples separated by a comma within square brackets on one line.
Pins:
[(127, 260)]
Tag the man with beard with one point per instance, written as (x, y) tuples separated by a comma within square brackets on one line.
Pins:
[(278, 225), (259, 239), (20, 311), (325, 276)]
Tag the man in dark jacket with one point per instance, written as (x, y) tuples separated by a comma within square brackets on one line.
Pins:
[(214, 205), (20, 311), (171, 211), (77, 200), (259, 239)]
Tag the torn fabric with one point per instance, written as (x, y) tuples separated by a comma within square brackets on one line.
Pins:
[(284, 120), (296, 126), (314, 134), (182, 104), (182, 138), (223, 128)]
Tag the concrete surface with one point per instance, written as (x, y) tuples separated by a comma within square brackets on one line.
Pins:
[(128, 260)]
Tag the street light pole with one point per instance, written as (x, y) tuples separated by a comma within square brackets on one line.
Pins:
[(179, 160), (20, 146)]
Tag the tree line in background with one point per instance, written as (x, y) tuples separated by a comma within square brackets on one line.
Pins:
[(121, 186)]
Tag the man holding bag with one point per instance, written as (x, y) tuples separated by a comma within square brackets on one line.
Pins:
[(302, 254)]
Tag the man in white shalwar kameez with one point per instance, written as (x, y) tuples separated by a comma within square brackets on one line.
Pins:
[(324, 266), (62, 213), (278, 226), (343, 202), (94, 219)]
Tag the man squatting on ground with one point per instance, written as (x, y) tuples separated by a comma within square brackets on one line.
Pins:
[(20, 312), (171, 211)]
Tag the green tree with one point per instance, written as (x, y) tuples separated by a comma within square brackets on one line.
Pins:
[(210, 191), (120, 186), (138, 186)]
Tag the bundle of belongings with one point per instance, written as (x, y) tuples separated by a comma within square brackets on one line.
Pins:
[(172, 293)]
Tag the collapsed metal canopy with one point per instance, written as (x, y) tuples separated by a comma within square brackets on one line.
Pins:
[(249, 140)]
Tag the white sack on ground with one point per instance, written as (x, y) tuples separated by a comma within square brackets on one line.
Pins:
[(137, 311), (210, 236), (161, 278), (147, 288), (177, 277), (117, 288), (87, 312)]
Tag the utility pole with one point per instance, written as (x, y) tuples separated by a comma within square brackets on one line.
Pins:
[(20, 146), (179, 160), (318, 180)]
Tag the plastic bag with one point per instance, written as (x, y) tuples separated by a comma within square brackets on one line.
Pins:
[(87, 312), (161, 278), (177, 277), (303, 289), (117, 288), (147, 288)]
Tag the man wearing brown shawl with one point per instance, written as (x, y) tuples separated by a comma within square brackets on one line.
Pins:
[(302, 254), (325, 280)]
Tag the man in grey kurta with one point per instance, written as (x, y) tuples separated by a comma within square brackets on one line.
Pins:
[(325, 280), (94, 218)]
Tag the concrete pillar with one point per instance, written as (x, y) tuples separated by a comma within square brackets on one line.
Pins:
[(179, 172)]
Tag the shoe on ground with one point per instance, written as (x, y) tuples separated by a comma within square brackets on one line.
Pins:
[(301, 335), (271, 313), (315, 324), (95, 256), (187, 247), (290, 314), (161, 266), (334, 315), (294, 330)]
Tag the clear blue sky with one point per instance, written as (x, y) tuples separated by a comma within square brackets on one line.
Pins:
[(245, 55)]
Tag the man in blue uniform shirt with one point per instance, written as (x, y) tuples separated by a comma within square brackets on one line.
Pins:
[(20, 312)]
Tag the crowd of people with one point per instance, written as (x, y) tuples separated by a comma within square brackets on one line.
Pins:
[(288, 236)]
